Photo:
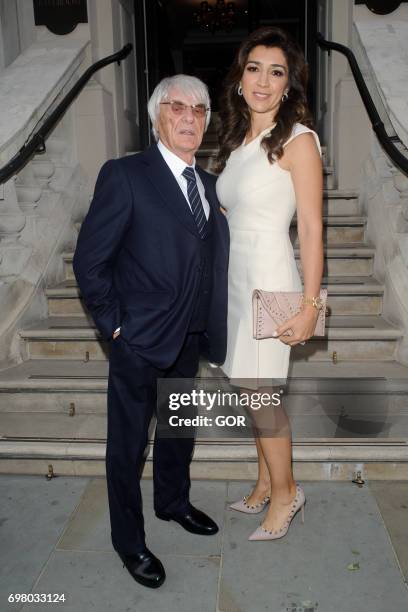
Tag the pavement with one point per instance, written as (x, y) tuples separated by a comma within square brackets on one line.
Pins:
[(351, 554)]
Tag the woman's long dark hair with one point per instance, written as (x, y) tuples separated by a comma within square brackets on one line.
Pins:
[(234, 114)]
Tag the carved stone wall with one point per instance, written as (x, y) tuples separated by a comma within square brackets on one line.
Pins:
[(40, 205), (384, 196), (38, 212)]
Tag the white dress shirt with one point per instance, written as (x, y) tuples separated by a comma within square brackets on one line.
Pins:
[(177, 165)]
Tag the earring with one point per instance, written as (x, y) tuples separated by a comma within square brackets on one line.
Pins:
[(285, 97), (239, 90)]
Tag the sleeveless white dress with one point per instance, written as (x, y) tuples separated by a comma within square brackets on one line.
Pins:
[(260, 201)]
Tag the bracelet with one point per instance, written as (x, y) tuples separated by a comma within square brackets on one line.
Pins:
[(316, 301)]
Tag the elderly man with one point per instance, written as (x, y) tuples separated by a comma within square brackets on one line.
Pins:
[(151, 263)]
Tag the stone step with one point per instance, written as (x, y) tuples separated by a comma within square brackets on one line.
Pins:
[(337, 229), (38, 431), (340, 202), (37, 376), (347, 296), (68, 375), (36, 399), (329, 177), (350, 338), (67, 400), (308, 418), (348, 259), (322, 460), (354, 295)]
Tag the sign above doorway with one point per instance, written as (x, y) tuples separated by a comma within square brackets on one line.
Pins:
[(60, 16), (380, 7)]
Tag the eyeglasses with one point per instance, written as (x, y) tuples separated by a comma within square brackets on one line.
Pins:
[(179, 108)]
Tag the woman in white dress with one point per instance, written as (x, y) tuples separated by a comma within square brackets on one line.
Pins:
[(270, 163)]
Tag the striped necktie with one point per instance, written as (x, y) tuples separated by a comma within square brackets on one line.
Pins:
[(196, 204)]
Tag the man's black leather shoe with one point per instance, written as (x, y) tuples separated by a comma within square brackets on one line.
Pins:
[(192, 520), (145, 568)]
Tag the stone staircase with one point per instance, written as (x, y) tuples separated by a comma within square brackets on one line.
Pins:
[(346, 396)]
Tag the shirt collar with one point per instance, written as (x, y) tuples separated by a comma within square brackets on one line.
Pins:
[(175, 163)]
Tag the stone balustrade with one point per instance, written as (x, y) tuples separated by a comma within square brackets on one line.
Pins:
[(381, 46), (384, 196), (41, 204)]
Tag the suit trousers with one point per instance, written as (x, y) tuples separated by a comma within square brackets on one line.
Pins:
[(132, 400)]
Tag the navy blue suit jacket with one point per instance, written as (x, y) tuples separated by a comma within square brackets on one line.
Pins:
[(137, 261)]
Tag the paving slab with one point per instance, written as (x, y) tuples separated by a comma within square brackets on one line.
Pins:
[(309, 569), (55, 538), (33, 514), (89, 527), (97, 581), (392, 500)]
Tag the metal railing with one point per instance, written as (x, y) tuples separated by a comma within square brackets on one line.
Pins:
[(387, 142), (36, 142)]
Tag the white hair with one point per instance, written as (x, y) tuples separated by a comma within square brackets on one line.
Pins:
[(187, 84)]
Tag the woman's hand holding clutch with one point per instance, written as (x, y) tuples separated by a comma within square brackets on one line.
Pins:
[(299, 328)]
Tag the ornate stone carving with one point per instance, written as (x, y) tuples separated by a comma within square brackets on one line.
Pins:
[(13, 254), (43, 170), (28, 190), (12, 220), (401, 185)]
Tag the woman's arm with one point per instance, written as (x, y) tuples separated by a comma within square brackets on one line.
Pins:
[(303, 160)]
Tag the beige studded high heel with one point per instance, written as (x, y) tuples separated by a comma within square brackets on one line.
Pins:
[(298, 504), (243, 506)]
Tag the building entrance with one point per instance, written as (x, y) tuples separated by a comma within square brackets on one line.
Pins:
[(201, 38)]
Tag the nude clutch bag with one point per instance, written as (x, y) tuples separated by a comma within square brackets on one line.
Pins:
[(272, 308)]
